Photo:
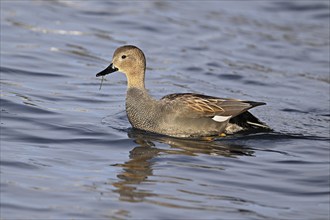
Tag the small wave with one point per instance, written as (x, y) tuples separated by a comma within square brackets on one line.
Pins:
[(18, 72), (275, 136)]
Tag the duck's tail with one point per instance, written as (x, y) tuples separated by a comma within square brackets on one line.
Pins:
[(246, 122)]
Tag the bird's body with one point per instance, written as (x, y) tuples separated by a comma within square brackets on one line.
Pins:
[(181, 114)]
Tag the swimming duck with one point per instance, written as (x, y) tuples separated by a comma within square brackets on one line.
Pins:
[(184, 115)]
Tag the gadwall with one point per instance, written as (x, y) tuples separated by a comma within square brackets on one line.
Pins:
[(185, 115)]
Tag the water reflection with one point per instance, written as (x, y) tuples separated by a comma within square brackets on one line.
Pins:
[(139, 166), (222, 146)]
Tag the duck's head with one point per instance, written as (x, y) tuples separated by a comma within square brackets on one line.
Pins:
[(127, 59)]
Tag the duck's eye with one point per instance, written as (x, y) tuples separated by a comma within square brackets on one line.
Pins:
[(123, 56)]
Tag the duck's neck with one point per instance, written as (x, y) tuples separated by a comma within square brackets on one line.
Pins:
[(136, 81), (137, 94)]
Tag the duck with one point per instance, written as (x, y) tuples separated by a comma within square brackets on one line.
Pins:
[(181, 115)]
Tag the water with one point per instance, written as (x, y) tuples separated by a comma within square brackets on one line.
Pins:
[(67, 150)]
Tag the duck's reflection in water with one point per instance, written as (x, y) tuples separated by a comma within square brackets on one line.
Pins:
[(141, 159)]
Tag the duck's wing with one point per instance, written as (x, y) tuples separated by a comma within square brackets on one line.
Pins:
[(193, 105)]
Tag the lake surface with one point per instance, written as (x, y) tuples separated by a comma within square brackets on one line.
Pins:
[(68, 151)]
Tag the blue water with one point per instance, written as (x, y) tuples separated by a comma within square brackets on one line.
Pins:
[(68, 151)]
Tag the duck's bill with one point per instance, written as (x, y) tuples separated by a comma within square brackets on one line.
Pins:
[(110, 69)]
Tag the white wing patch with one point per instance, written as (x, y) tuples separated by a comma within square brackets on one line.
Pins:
[(219, 118)]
